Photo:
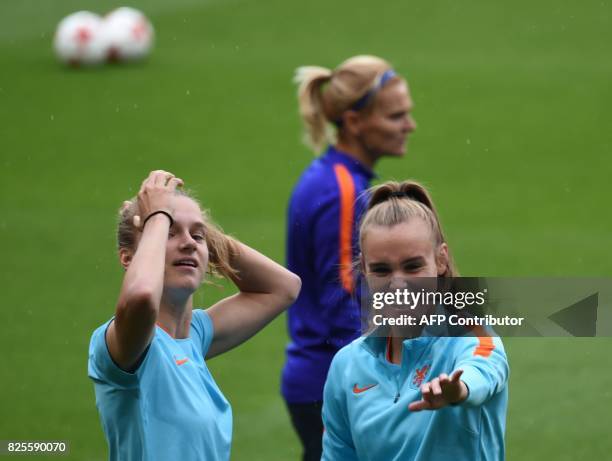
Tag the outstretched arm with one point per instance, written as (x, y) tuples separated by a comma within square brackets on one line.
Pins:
[(440, 392), (266, 290), (481, 371)]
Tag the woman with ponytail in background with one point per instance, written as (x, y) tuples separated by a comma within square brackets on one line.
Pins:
[(399, 392), (357, 113)]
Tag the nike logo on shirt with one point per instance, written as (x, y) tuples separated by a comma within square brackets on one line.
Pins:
[(359, 390)]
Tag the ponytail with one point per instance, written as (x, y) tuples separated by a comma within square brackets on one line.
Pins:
[(394, 203), (353, 85), (310, 99), (408, 189)]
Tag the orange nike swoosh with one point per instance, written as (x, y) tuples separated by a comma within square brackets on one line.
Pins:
[(180, 362), (359, 390)]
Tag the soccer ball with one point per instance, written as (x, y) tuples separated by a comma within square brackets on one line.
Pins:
[(128, 35), (78, 39)]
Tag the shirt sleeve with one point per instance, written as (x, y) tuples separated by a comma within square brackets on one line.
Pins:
[(337, 437), (485, 367), (101, 366), (203, 329)]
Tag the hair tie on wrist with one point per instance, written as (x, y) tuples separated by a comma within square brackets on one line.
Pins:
[(158, 212)]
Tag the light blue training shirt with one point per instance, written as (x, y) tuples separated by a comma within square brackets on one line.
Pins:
[(366, 398), (170, 407)]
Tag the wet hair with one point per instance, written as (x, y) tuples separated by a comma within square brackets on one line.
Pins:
[(324, 94), (395, 203), (221, 247)]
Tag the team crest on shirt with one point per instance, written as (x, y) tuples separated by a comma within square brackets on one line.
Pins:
[(420, 374)]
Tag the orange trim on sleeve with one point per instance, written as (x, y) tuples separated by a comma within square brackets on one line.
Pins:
[(485, 346), (347, 217), (162, 327)]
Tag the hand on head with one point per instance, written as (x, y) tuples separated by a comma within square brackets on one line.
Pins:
[(155, 195)]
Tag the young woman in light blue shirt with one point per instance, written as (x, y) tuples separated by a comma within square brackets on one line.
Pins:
[(156, 397), (405, 394)]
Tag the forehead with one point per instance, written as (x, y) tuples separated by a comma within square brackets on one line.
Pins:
[(186, 211), (398, 243), (394, 97)]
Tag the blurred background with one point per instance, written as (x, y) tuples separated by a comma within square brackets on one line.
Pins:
[(512, 104)]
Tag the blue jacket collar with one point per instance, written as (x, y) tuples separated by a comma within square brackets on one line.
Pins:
[(376, 341)]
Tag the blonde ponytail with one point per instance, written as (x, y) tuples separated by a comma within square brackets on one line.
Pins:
[(310, 99), (324, 95)]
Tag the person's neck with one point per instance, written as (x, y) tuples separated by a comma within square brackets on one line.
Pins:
[(175, 316), (396, 344), (356, 150)]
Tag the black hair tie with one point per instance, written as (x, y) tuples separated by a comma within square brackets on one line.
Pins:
[(400, 194), (164, 212)]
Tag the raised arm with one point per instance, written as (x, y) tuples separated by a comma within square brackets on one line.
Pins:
[(266, 290), (131, 331)]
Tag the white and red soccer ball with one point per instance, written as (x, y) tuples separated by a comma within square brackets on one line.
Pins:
[(128, 34), (79, 39), (125, 34)]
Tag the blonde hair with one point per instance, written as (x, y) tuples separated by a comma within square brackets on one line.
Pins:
[(324, 95), (394, 203), (221, 247)]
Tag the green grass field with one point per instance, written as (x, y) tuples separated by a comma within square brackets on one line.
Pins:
[(514, 139)]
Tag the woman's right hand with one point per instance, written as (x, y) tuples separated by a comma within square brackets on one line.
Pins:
[(139, 300), (156, 195)]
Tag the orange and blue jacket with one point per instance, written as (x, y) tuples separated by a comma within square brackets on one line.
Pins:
[(366, 401), (324, 212)]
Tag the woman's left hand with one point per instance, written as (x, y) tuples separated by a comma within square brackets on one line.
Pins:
[(440, 392)]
